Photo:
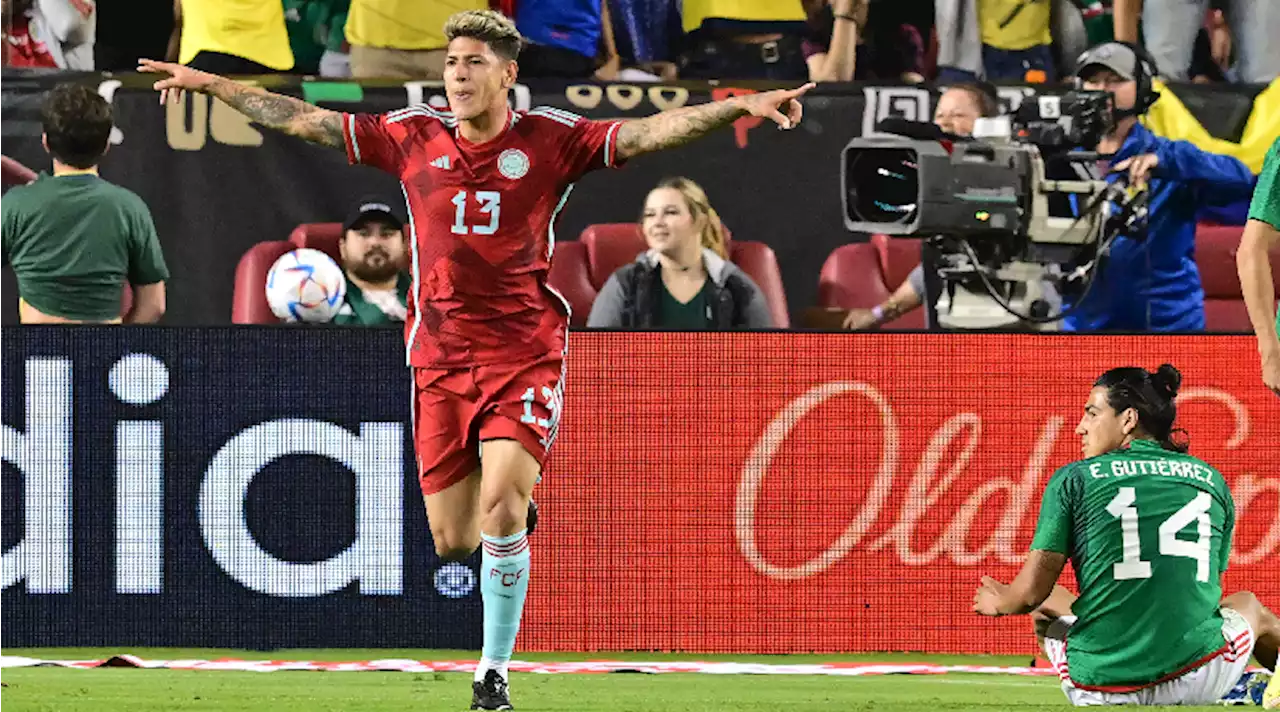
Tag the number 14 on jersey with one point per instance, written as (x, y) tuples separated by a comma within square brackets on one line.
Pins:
[(490, 202)]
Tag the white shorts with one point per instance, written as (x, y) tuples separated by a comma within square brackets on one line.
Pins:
[(1203, 686)]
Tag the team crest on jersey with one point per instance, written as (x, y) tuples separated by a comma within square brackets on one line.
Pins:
[(513, 163)]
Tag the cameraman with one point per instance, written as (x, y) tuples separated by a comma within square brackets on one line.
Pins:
[(957, 110), (1149, 281)]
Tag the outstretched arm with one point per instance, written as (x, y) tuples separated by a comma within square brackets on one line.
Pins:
[(677, 127), (282, 113), (1258, 286)]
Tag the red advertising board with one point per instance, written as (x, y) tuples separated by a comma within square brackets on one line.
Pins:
[(780, 493)]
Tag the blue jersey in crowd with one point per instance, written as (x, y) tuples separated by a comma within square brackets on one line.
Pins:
[(1153, 284)]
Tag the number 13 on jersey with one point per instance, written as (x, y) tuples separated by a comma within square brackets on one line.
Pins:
[(490, 202)]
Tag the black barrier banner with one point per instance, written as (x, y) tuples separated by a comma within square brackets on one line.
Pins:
[(218, 184), (247, 487)]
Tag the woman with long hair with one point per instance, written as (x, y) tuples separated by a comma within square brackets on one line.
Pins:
[(685, 279)]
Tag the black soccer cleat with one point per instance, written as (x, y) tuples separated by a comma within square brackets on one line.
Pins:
[(531, 520), (491, 694)]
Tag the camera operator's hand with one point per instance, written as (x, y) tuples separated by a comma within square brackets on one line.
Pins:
[(1139, 167), (859, 319)]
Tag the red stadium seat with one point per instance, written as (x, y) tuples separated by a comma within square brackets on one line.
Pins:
[(898, 256), (609, 247), (249, 298), (1216, 247), (570, 277), (319, 236), (761, 264), (852, 278)]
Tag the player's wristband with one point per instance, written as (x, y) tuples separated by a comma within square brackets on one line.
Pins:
[(878, 312), (850, 18)]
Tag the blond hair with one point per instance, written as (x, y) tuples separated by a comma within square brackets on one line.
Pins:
[(489, 26), (712, 234)]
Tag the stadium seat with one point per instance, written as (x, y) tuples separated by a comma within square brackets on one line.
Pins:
[(14, 173), (761, 264), (249, 295), (613, 245), (852, 278), (609, 247), (570, 277), (1216, 247), (898, 256), (319, 236)]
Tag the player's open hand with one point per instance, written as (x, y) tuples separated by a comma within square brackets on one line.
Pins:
[(986, 601), (1139, 167), (181, 78), (780, 105)]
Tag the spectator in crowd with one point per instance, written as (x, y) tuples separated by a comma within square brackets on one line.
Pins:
[(744, 39), (1211, 57), (1149, 281), (846, 42), (230, 36), (49, 33), (317, 37), (685, 280), (373, 257), (958, 108), (401, 38), (1014, 36), (73, 239), (565, 37), (647, 34), (1170, 28)]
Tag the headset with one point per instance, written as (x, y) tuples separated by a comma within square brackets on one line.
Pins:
[(1145, 71)]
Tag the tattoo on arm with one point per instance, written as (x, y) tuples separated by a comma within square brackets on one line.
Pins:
[(282, 113), (676, 127)]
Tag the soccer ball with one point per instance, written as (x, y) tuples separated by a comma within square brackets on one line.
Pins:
[(306, 285)]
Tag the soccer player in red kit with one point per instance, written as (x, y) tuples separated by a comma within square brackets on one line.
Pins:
[(486, 335)]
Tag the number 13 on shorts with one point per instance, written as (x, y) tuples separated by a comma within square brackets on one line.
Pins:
[(547, 399)]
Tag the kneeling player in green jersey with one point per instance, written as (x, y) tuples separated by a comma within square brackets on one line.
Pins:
[(1148, 531)]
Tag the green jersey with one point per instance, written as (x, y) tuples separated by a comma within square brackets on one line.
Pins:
[(1266, 196), (1148, 532), (375, 308), (314, 26), (675, 314), (74, 241)]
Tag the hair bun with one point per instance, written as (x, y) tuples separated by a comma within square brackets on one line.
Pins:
[(1167, 379)]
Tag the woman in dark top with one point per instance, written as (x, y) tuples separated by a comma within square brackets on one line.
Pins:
[(847, 41), (684, 280)]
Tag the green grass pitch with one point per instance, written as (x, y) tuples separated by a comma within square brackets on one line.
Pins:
[(132, 690)]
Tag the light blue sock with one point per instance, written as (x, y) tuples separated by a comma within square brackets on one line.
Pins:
[(504, 581)]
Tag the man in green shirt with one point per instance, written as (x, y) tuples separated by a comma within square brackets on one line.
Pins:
[(73, 239), (373, 254), (1261, 235), (1148, 530)]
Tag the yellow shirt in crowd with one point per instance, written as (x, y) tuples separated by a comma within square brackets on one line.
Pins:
[(403, 24), (1015, 24), (695, 11), (251, 29)]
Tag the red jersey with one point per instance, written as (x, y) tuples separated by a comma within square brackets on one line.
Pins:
[(482, 225)]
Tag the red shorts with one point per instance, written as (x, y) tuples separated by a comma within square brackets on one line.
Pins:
[(453, 410)]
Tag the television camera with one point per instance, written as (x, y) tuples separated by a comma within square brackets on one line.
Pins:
[(1009, 241)]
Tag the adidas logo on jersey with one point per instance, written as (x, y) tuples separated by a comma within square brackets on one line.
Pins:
[(441, 163)]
